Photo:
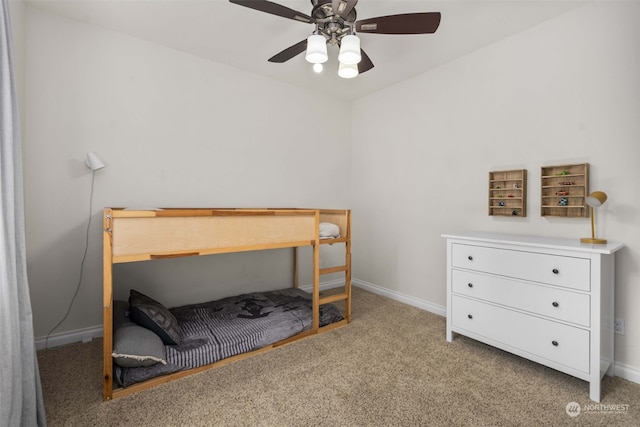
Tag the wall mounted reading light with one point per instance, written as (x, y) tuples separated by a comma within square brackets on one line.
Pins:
[(93, 162), (594, 200)]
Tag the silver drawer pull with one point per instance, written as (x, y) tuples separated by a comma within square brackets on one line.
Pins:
[(555, 271), (469, 316), (470, 258), (555, 304), (470, 285), (555, 343)]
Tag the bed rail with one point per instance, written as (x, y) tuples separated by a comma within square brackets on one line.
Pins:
[(142, 235)]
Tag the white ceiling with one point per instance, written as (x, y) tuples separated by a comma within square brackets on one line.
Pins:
[(245, 38)]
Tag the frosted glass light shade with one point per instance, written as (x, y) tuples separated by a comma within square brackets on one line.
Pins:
[(316, 49), (347, 71), (349, 50)]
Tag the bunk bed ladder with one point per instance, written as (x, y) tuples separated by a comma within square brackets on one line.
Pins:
[(343, 217), (346, 268)]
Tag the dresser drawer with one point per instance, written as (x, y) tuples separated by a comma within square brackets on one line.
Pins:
[(553, 302), (562, 344), (566, 271)]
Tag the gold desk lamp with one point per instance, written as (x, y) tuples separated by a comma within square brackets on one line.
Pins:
[(595, 199)]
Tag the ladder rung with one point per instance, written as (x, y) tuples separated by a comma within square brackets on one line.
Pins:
[(333, 298), (333, 269), (332, 241)]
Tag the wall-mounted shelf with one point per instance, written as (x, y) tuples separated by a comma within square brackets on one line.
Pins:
[(508, 193), (563, 189)]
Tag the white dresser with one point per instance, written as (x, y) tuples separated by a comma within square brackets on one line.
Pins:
[(549, 300)]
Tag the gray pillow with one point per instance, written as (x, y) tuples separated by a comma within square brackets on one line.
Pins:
[(151, 314), (135, 346)]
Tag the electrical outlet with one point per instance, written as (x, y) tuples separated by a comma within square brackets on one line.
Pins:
[(618, 326)]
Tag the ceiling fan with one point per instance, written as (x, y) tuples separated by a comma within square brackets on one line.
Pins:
[(336, 25)]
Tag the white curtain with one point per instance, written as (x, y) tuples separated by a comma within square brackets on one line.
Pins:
[(21, 401)]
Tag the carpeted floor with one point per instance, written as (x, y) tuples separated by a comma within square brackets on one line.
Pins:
[(390, 367)]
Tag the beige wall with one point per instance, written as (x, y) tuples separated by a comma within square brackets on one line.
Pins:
[(565, 91), (174, 130)]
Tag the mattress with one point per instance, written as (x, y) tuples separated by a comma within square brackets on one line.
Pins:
[(219, 329)]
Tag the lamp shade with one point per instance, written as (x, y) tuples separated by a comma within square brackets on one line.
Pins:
[(316, 49), (596, 199), (347, 71), (93, 162), (349, 50)]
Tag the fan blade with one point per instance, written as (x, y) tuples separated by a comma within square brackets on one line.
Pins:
[(342, 7), (289, 52), (407, 23), (365, 63), (274, 9)]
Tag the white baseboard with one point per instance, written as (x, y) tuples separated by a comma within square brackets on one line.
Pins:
[(398, 296), (87, 334), (627, 372), (70, 337)]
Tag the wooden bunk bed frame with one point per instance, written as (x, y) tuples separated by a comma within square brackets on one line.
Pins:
[(143, 235)]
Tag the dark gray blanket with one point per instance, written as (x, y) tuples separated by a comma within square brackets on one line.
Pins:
[(215, 330)]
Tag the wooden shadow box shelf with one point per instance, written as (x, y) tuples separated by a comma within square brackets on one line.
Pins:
[(563, 189), (508, 193)]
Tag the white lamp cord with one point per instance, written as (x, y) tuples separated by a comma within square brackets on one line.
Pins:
[(84, 256)]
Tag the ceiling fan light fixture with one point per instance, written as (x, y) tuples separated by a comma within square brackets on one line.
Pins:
[(336, 24), (316, 49), (317, 68), (348, 71), (349, 50)]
